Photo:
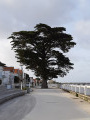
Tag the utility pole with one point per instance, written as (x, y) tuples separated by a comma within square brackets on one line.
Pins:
[(22, 78)]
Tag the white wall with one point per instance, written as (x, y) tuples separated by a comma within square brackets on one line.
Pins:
[(8, 77)]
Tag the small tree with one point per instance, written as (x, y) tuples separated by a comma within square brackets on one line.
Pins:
[(42, 51)]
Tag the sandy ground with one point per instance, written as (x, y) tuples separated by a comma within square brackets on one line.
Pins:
[(81, 103)]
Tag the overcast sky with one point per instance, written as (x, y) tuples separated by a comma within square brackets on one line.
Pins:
[(74, 15)]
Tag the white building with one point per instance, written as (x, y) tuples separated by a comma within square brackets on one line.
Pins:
[(8, 76), (1, 77)]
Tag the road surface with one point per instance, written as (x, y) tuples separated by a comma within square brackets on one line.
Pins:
[(42, 104)]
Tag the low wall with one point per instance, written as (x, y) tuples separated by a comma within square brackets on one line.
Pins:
[(53, 85), (11, 96)]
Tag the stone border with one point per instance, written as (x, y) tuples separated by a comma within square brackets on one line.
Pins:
[(11, 96), (84, 97)]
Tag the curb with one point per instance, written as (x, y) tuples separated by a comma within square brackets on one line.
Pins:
[(11, 96), (84, 97)]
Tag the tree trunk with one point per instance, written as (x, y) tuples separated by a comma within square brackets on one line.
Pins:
[(44, 84)]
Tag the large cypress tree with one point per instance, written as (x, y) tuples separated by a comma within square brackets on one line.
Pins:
[(2, 64), (42, 51)]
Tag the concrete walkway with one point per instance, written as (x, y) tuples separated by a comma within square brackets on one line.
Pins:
[(43, 104), (51, 104)]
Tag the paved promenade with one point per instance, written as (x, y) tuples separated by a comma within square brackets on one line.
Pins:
[(52, 104), (43, 104)]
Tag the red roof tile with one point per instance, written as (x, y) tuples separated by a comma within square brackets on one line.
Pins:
[(11, 69)]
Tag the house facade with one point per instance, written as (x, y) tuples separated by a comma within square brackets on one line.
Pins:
[(1, 76), (1, 71), (8, 76), (18, 74), (13, 77)]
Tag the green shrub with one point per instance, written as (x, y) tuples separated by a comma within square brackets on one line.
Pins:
[(76, 94)]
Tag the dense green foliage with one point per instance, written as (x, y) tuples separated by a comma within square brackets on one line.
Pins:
[(42, 51)]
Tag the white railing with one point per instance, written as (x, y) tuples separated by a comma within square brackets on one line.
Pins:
[(82, 89)]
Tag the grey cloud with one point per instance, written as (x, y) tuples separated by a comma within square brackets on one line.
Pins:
[(84, 11), (48, 11), (82, 33), (25, 14), (79, 74), (16, 15)]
